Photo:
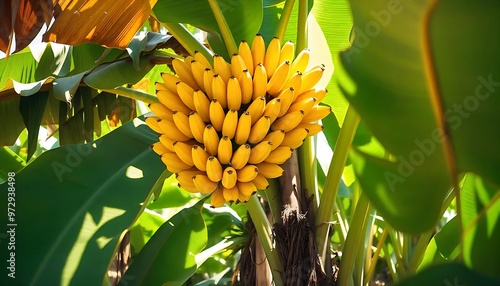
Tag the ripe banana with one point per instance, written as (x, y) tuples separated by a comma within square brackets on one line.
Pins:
[(248, 173), (318, 112), (270, 170), (200, 157), (287, 52), (278, 79), (259, 130), (208, 77), (312, 128), (243, 129), (242, 198), (217, 198), (260, 152), (174, 163), (289, 121), (172, 101), (233, 94), (185, 179), (181, 120), (276, 137), (246, 85), (211, 140), (272, 109), (199, 57), (202, 105), (152, 122), (301, 61), (230, 194), (217, 114), (171, 131), (229, 177), (311, 78), (183, 71), (241, 156), (197, 126), (237, 65), (256, 108), (246, 53), (230, 124), (246, 188), (286, 97), (159, 148), (161, 111), (167, 142), (260, 182), (259, 81), (222, 68), (258, 50), (305, 105), (170, 82), (185, 93), (279, 155), (272, 57), (318, 93), (203, 184), (294, 138), (219, 91), (214, 169), (225, 150), (183, 150), (198, 70), (295, 82)]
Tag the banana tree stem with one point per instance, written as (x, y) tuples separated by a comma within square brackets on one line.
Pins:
[(302, 25), (187, 40), (133, 94), (224, 27), (284, 19)]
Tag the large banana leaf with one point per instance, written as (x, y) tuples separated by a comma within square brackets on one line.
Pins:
[(424, 76), (73, 203)]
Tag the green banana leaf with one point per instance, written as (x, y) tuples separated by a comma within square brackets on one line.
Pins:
[(424, 77), (73, 203)]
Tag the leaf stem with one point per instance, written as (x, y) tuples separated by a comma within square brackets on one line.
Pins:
[(332, 181), (264, 232), (133, 94), (373, 261), (224, 28), (187, 40), (302, 25), (284, 19)]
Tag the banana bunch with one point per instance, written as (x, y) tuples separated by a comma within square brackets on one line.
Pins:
[(226, 128)]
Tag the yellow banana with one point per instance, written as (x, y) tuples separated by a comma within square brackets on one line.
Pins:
[(260, 182), (214, 169), (167, 142), (260, 152), (225, 150), (278, 79), (230, 124), (170, 81), (287, 52), (198, 70), (174, 163), (161, 86), (246, 85), (229, 177), (259, 81), (294, 138), (259, 130), (217, 198), (202, 105), (197, 126), (183, 71), (243, 129), (248, 173), (161, 111), (186, 182), (246, 188), (258, 50), (295, 82), (301, 61), (246, 53), (203, 184), (270, 170), (289, 121), (199, 57), (208, 77), (233, 94), (159, 148), (217, 114), (171, 131), (200, 157), (312, 128), (305, 105), (279, 155), (318, 112), (172, 101), (276, 137), (272, 109), (237, 65), (240, 156), (181, 120), (219, 91), (211, 140), (242, 198), (152, 122), (183, 150), (222, 68), (272, 57), (311, 78), (230, 194), (256, 108), (286, 98), (318, 93)]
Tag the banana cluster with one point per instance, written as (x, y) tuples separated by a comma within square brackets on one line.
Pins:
[(226, 128)]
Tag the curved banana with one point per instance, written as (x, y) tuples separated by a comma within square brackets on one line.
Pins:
[(199, 57), (260, 182), (214, 169), (171, 131), (272, 109), (242, 198), (183, 150), (311, 77), (318, 112), (276, 137), (185, 93), (161, 111), (286, 97), (318, 93), (170, 81), (172, 101), (200, 157), (301, 61), (256, 108), (217, 198), (211, 140), (278, 79), (243, 129), (289, 121), (183, 71), (181, 120), (258, 50), (233, 94), (294, 138), (167, 142), (203, 184), (287, 52), (246, 85), (198, 70), (259, 130), (237, 65), (259, 82), (246, 188), (230, 194), (279, 155), (202, 105), (159, 148), (229, 177), (260, 152), (208, 77), (185, 180), (272, 57), (219, 91), (312, 128), (152, 122), (305, 105), (225, 150), (230, 124), (295, 82), (247, 173), (217, 114), (270, 170), (174, 163), (246, 53), (240, 157), (221, 67), (197, 126)]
